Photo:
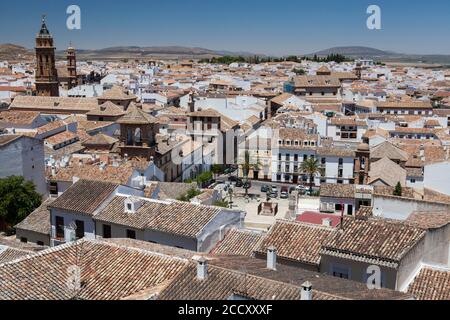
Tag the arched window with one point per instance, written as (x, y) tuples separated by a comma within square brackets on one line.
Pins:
[(138, 136)]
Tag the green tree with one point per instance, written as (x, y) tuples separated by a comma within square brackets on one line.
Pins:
[(222, 204), (299, 72), (217, 169), (398, 191), (192, 193), (310, 167), (18, 198), (204, 178), (247, 166)]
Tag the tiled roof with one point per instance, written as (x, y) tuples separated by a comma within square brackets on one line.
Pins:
[(296, 241), (221, 284), (61, 137), (405, 105), (337, 190), (56, 104), (249, 277), (181, 218), (238, 242), (429, 220), (115, 213), (18, 117), (135, 115), (117, 93), (388, 150), (364, 212), (84, 196), (99, 139), (118, 175), (169, 190), (431, 284), (387, 171), (317, 81), (380, 240), (108, 272), (8, 254), (106, 109), (282, 98), (39, 220), (335, 152)]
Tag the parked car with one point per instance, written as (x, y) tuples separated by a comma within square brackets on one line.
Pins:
[(284, 193), (272, 194), (300, 187), (274, 189), (239, 183), (265, 188)]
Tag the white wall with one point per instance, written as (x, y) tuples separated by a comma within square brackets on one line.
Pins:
[(437, 177)]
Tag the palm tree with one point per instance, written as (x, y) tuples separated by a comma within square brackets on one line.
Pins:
[(247, 166), (310, 167)]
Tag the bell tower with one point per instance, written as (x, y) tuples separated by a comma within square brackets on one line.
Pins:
[(71, 67), (46, 74)]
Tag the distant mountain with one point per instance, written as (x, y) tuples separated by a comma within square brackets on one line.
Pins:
[(354, 52), (12, 52), (134, 52), (384, 56)]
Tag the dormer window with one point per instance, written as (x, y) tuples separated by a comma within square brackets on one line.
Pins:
[(132, 204)]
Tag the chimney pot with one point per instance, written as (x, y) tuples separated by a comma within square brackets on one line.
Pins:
[(202, 268), (306, 291), (272, 258)]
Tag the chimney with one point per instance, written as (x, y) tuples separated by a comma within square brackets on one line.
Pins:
[(202, 268), (272, 258), (326, 222), (306, 291)]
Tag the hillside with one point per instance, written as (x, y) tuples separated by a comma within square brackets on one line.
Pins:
[(11, 52), (353, 52)]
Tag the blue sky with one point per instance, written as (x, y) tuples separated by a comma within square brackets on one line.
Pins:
[(271, 27)]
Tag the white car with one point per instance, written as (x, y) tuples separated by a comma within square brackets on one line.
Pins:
[(300, 187)]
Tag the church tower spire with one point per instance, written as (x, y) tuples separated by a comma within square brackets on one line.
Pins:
[(71, 67), (46, 74)]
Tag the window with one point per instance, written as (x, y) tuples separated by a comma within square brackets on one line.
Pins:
[(340, 272), (23, 240), (59, 221), (296, 157), (40, 243), (54, 188), (79, 232), (106, 231), (305, 157), (341, 161), (324, 160), (338, 207), (131, 234), (288, 157), (279, 156), (413, 180)]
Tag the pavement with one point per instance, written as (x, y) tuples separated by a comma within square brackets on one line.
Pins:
[(250, 205)]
